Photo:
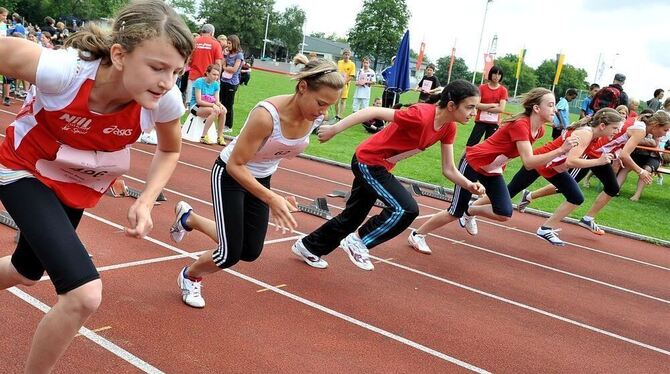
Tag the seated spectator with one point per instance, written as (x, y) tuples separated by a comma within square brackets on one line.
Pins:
[(655, 102), (205, 103), (374, 125)]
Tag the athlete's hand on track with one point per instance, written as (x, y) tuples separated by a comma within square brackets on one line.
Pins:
[(139, 219), (326, 132), (280, 211)]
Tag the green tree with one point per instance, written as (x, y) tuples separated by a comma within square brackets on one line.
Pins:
[(458, 71), (244, 18), (378, 29), (571, 77), (34, 11), (289, 29), (527, 78)]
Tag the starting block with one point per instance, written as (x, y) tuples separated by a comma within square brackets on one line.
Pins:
[(119, 189), (440, 193), (345, 196), (319, 208), (192, 128)]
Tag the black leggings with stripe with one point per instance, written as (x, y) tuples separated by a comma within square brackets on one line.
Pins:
[(241, 218), (605, 175), (563, 182), (370, 183), (496, 190), (48, 239)]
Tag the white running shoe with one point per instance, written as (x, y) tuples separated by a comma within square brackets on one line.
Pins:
[(310, 259), (550, 235), (524, 202), (357, 251), (149, 138), (469, 223), (591, 225), (227, 130), (190, 291), (418, 242), (177, 230)]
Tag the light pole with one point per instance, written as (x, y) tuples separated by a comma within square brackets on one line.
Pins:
[(481, 35), (265, 39)]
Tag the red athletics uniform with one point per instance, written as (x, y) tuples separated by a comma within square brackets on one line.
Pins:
[(490, 157), (411, 132), (617, 143), (75, 152), (550, 169), (490, 96)]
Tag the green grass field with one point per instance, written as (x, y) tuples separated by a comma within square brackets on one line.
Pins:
[(645, 217)]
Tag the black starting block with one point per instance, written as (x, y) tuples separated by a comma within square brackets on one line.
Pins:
[(439, 193), (119, 189), (319, 208)]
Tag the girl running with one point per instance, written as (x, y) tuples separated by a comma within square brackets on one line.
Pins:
[(485, 162), (622, 145), (90, 102), (603, 125), (276, 128), (410, 132)]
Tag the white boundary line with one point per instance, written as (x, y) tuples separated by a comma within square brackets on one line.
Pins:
[(477, 291), (438, 209), (92, 336), (310, 303), (546, 267)]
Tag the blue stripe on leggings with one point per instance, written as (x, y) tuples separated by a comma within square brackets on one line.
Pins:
[(395, 216)]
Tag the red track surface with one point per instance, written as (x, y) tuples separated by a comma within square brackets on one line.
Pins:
[(503, 301)]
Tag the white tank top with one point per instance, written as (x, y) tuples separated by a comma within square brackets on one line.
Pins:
[(275, 148)]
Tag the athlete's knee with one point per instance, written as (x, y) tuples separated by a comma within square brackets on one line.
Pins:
[(577, 199), (612, 190), (410, 210), (504, 213), (85, 300)]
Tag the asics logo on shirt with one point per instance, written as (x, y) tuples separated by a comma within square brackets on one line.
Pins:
[(76, 124), (117, 131)]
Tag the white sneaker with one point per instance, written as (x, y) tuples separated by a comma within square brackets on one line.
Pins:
[(190, 291), (550, 235), (177, 230), (418, 242), (227, 130), (310, 259), (357, 251), (524, 202), (469, 223)]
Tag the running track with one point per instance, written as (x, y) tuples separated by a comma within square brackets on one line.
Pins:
[(503, 301)]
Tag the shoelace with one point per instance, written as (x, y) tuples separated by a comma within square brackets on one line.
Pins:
[(196, 288)]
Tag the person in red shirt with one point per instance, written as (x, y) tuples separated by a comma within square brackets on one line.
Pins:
[(491, 107), (71, 140), (411, 131), (603, 125), (485, 162), (621, 146), (207, 51)]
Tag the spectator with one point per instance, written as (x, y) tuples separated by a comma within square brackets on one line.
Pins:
[(562, 118), (61, 33), (17, 26), (612, 95), (230, 78), (245, 73), (207, 51), (49, 26), (655, 102), (623, 110), (364, 80), (312, 56), (347, 68), (205, 103), (45, 40), (633, 105), (375, 125), (427, 84), (3, 21), (666, 105), (494, 98), (223, 40), (585, 108)]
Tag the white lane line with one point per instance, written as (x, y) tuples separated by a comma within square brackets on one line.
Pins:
[(587, 248), (312, 304), (92, 336), (530, 308), (462, 242), (516, 303)]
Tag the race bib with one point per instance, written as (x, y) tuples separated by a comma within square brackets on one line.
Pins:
[(496, 167), (94, 169), (488, 116), (426, 86)]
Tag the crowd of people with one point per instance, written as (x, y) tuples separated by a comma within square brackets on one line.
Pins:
[(122, 83)]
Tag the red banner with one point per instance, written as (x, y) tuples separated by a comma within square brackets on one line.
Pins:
[(419, 59)]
